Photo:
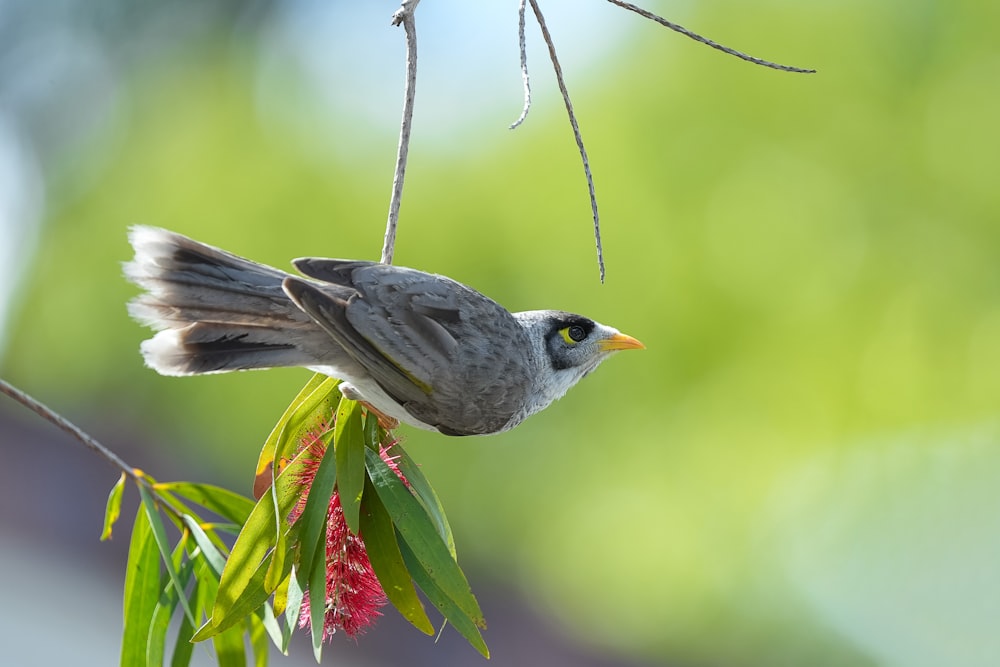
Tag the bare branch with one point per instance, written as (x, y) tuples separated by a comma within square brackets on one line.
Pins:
[(704, 40), (404, 16), (576, 132), (524, 66), (53, 417), (406, 8)]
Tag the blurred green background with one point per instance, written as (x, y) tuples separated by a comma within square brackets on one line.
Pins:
[(801, 469)]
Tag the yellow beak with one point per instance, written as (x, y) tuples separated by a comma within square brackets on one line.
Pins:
[(620, 342)]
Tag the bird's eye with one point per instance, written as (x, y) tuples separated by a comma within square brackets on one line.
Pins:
[(573, 334)]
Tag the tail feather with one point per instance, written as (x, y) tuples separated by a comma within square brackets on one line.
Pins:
[(214, 311), (207, 348)]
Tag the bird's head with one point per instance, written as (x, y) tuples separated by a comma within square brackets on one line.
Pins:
[(571, 346)]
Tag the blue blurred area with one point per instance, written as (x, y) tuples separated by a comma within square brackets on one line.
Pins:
[(802, 467)]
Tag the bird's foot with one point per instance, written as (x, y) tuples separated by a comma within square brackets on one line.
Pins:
[(385, 421)]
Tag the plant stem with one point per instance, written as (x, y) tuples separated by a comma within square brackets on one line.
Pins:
[(404, 16)]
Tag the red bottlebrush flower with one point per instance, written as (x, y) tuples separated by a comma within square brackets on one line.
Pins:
[(354, 595)]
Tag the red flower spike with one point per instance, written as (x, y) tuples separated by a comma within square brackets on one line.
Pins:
[(354, 595)]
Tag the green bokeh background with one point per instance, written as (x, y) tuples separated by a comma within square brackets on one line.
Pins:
[(801, 469)]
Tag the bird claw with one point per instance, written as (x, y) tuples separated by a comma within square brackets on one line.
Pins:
[(348, 391), (384, 420)]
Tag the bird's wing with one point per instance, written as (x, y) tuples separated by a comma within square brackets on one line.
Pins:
[(453, 357), (329, 310), (335, 271), (466, 346), (411, 317)]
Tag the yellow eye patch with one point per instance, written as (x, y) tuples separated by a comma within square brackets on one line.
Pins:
[(573, 334)]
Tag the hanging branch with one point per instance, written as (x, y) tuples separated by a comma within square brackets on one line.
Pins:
[(524, 66), (706, 41), (565, 93), (404, 16), (576, 130)]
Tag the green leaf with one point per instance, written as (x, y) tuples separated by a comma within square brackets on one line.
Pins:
[(281, 595), (387, 562), (282, 554), (205, 593), (420, 534), (251, 598), (229, 649), (317, 603), (183, 648), (314, 403), (156, 645), (223, 502), (157, 640), (256, 539), (114, 508), (292, 608), (160, 535), (312, 524), (349, 445), (213, 558), (373, 432), (318, 406), (258, 639), (465, 625), (142, 591), (270, 625), (425, 494), (267, 453)]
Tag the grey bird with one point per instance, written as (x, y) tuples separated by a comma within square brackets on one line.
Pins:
[(418, 348)]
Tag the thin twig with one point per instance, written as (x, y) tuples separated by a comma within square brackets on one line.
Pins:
[(404, 16), (704, 40), (53, 417), (576, 132), (524, 66)]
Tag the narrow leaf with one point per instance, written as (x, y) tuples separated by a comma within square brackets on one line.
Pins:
[(292, 608), (282, 554), (250, 600), (258, 639), (373, 431), (160, 535), (312, 523), (266, 458), (205, 594), (223, 502), (315, 402), (114, 508), (142, 591), (419, 532), (387, 562), (281, 596), (318, 407), (317, 599), (183, 648), (425, 494), (229, 649), (269, 623), (157, 640), (349, 445), (256, 539), (215, 560), (466, 626), (156, 644)]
